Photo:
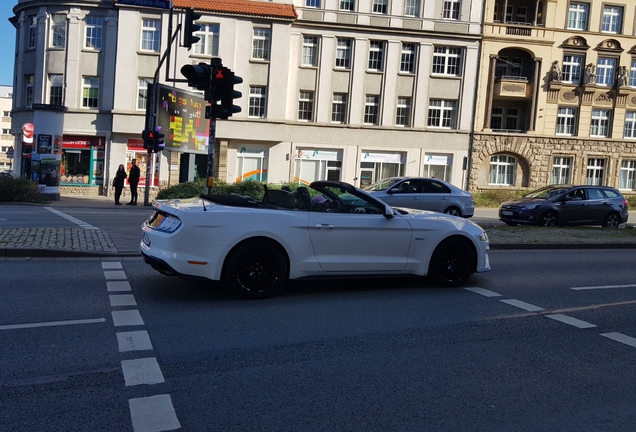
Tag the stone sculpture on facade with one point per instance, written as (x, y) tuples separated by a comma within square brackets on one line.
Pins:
[(590, 74), (555, 72), (622, 77)]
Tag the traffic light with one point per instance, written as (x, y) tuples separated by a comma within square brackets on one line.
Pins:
[(227, 100), (149, 139), (190, 28), (159, 144), (199, 76)]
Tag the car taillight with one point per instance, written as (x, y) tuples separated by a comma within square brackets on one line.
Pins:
[(626, 203), (471, 198)]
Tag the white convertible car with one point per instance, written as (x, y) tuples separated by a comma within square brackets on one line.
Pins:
[(255, 247)]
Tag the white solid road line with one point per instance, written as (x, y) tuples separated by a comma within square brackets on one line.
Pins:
[(522, 305), (603, 287), (76, 221), (141, 371), (571, 321), (619, 337), (484, 292), (153, 414), (52, 324)]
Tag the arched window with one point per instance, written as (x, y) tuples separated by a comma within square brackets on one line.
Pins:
[(502, 170)]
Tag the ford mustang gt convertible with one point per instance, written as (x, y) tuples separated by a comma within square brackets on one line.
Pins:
[(331, 229)]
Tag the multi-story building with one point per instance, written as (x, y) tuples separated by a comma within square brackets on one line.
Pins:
[(557, 95), (6, 139), (349, 90)]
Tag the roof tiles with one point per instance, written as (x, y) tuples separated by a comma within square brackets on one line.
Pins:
[(241, 7)]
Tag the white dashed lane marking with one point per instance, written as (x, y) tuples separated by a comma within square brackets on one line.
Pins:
[(127, 318), (115, 275), (106, 265), (76, 221), (619, 337), (134, 341), (571, 321), (141, 371), (522, 305), (484, 292), (603, 287), (153, 414), (122, 300), (118, 286)]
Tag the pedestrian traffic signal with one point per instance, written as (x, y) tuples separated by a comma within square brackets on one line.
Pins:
[(190, 28), (199, 76), (159, 143), (149, 139)]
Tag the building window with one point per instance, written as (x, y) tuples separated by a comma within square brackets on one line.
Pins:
[(343, 54), (442, 113), (28, 90), (376, 54), (566, 121), (577, 16), (561, 169), (595, 171), (314, 165), (150, 35), (605, 71), (600, 123), (142, 93), (412, 8), (347, 5), (93, 39), (496, 118), (208, 43), (310, 51), (628, 175), (33, 32), (55, 89), (380, 6), (447, 61), (58, 31), (451, 9), (403, 115), (6, 113), (306, 106), (632, 74), (312, 3), (90, 93), (258, 102), (612, 19), (512, 119), (502, 170), (371, 109), (251, 166), (407, 62), (630, 124), (339, 108), (439, 166), (572, 68), (260, 43)]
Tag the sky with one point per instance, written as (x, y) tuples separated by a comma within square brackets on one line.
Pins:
[(7, 46)]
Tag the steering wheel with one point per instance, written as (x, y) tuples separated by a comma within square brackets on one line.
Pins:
[(334, 207)]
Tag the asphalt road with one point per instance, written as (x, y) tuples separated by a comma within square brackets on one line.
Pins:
[(545, 341)]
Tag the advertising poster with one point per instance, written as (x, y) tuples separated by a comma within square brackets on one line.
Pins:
[(181, 118), (44, 144), (45, 170)]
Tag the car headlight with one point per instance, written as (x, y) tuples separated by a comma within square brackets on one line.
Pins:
[(529, 207), (483, 237)]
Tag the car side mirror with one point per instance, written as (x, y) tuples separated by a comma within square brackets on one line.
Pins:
[(393, 190), (388, 211)]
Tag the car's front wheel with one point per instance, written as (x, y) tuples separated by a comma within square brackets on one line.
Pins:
[(453, 261), (613, 220), (453, 211), (548, 219), (256, 269)]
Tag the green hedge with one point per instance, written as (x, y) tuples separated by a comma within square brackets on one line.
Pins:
[(14, 189), (195, 188)]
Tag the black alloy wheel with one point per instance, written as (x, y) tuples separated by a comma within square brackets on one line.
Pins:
[(256, 269), (613, 220), (453, 261), (548, 219)]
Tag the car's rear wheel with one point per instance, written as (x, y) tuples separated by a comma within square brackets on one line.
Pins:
[(256, 269), (453, 261), (612, 220), (453, 211), (548, 219)]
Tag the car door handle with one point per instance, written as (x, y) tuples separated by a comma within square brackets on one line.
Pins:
[(326, 226)]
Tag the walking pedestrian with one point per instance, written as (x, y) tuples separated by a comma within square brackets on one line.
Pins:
[(133, 180), (118, 182)]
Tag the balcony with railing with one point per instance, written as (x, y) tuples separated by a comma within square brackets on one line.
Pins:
[(517, 18)]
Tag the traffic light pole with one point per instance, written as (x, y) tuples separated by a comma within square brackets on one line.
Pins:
[(211, 141), (150, 125)]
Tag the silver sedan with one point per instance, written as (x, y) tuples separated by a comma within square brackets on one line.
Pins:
[(424, 194)]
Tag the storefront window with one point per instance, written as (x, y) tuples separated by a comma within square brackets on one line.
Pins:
[(378, 166), (438, 166), (82, 161), (136, 150), (313, 165), (251, 164)]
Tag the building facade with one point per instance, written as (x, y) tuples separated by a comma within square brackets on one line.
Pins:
[(557, 95), (6, 139), (347, 90)]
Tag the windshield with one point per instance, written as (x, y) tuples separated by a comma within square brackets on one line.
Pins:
[(381, 185), (547, 192)]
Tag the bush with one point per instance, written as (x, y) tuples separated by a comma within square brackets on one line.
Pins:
[(14, 189), (195, 188), (494, 198)]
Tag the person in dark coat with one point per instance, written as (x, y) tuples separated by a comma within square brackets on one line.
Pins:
[(133, 180), (118, 182)]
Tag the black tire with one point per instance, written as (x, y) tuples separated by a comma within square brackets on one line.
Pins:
[(453, 211), (548, 219), (453, 261), (612, 220), (256, 269)]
